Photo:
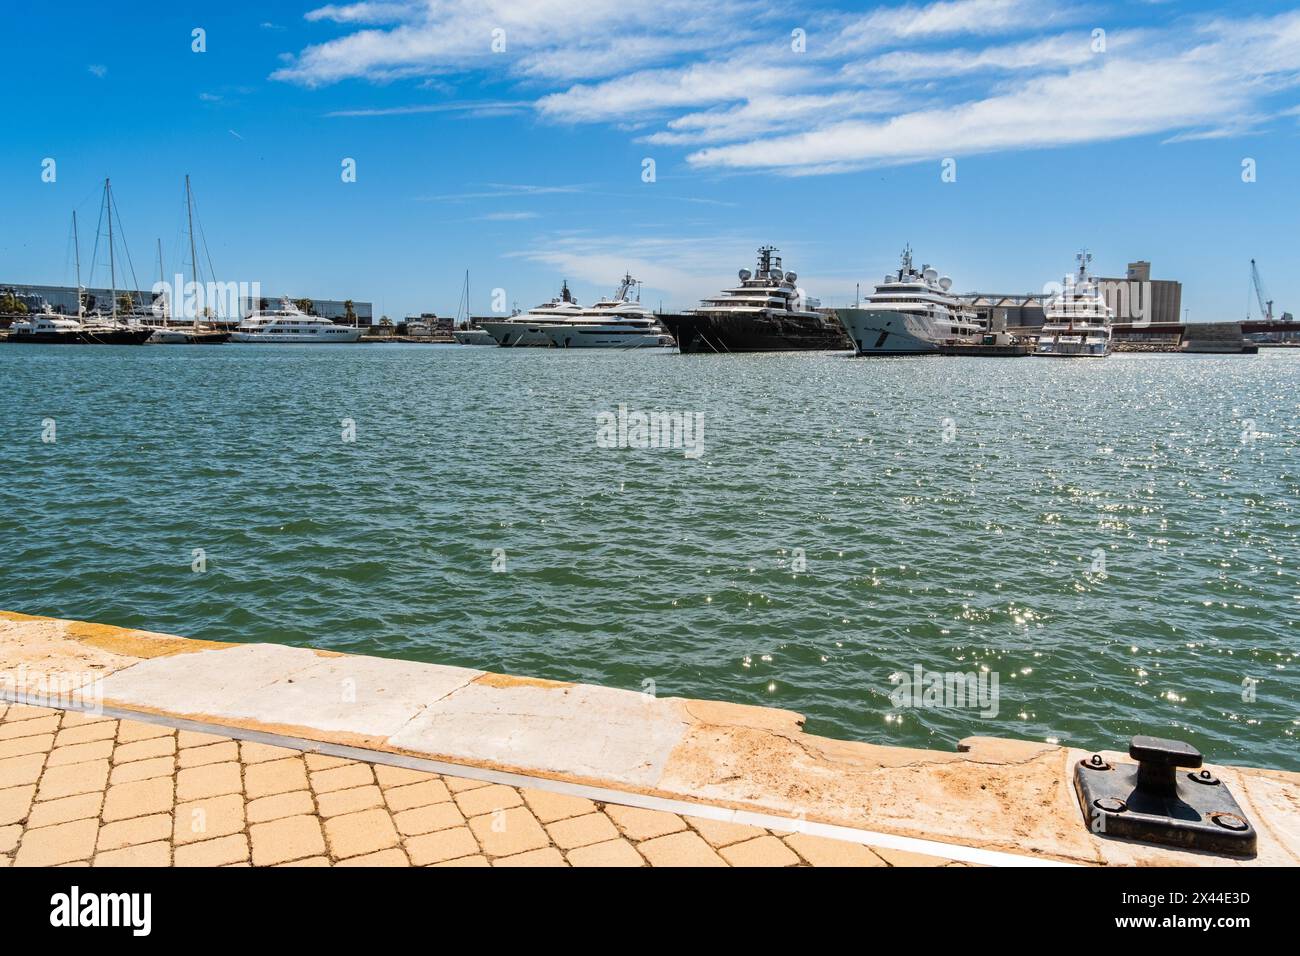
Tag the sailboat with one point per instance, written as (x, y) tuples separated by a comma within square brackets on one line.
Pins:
[(465, 331), (52, 328), (194, 333)]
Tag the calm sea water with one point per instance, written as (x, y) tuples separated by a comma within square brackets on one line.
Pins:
[(948, 513)]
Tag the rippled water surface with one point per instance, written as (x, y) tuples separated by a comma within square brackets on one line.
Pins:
[(627, 566)]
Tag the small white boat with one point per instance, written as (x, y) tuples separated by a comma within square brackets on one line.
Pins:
[(289, 325)]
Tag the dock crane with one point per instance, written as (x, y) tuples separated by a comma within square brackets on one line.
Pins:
[(1265, 305)]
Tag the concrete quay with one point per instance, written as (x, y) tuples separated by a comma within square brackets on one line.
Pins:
[(124, 746)]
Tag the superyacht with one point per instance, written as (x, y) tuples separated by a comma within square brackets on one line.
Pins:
[(1076, 322), (530, 328), (911, 313), (766, 312), (620, 322), (289, 325)]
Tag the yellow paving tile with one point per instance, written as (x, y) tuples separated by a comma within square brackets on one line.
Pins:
[(582, 831), (679, 849), (392, 857), (11, 729), (611, 853), (549, 856), (9, 837), (907, 858), (444, 845), (549, 807), (20, 746), (457, 784), (288, 838), (15, 802), (465, 861), (80, 807), (762, 851), (219, 852), (85, 733), (61, 843), (324, 762), (71, 780), (144, 749), (252, 752), (280, 805), (275, 776), (137, 798), (213, 780), (136, 832), (820, 851), (638, 824), (146, 854), (129, 731), (211, 753), (356, 833), (417, 795), (191, 738), (79, 753), (722, 833), (436, 816), (17, 771), (143, 770), (337, 802), (507, 832), (342, 778), (489, 799), (208, 818), (397, 776)]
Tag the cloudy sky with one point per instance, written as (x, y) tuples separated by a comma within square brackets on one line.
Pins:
[(515, 138)]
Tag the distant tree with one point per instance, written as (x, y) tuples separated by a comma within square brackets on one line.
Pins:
[(11, 304), (306, 305), (349, 313), (124, 303)]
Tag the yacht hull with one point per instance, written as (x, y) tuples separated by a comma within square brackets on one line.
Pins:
[(82, 337), (580, 338), (514, 335), (754, 333), (473, 337), (187, 337), (887, 332), (262, 338)]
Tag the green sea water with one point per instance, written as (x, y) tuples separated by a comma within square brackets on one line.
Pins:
[(1115, 540)]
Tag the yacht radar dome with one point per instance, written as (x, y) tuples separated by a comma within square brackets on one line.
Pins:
[(945, 283), (790, 277), (745, 274)]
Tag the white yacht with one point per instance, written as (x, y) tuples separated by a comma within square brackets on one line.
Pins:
[(620, 322), (289, 325), (911, 313), (1076, 321), (529, 329)]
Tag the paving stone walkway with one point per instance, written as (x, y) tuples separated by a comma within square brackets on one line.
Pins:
[(81, 790)]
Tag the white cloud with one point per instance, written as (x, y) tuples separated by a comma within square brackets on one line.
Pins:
[(98, 69)]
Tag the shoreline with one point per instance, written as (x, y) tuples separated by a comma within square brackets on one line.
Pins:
[(996, 800)]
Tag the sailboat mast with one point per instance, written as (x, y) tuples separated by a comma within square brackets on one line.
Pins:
[(76, 248), (162, 277), (112, 266), (194, 261)]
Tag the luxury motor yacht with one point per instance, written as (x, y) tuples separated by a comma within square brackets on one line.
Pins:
[(912, 312), (1076, 321), (767, 312), (620, 322), (289, 325), (50, 328), (529, 328)]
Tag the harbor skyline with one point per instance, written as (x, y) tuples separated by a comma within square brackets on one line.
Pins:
[(526, 166)]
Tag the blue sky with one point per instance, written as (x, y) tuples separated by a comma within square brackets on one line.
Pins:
[(524, 165)]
